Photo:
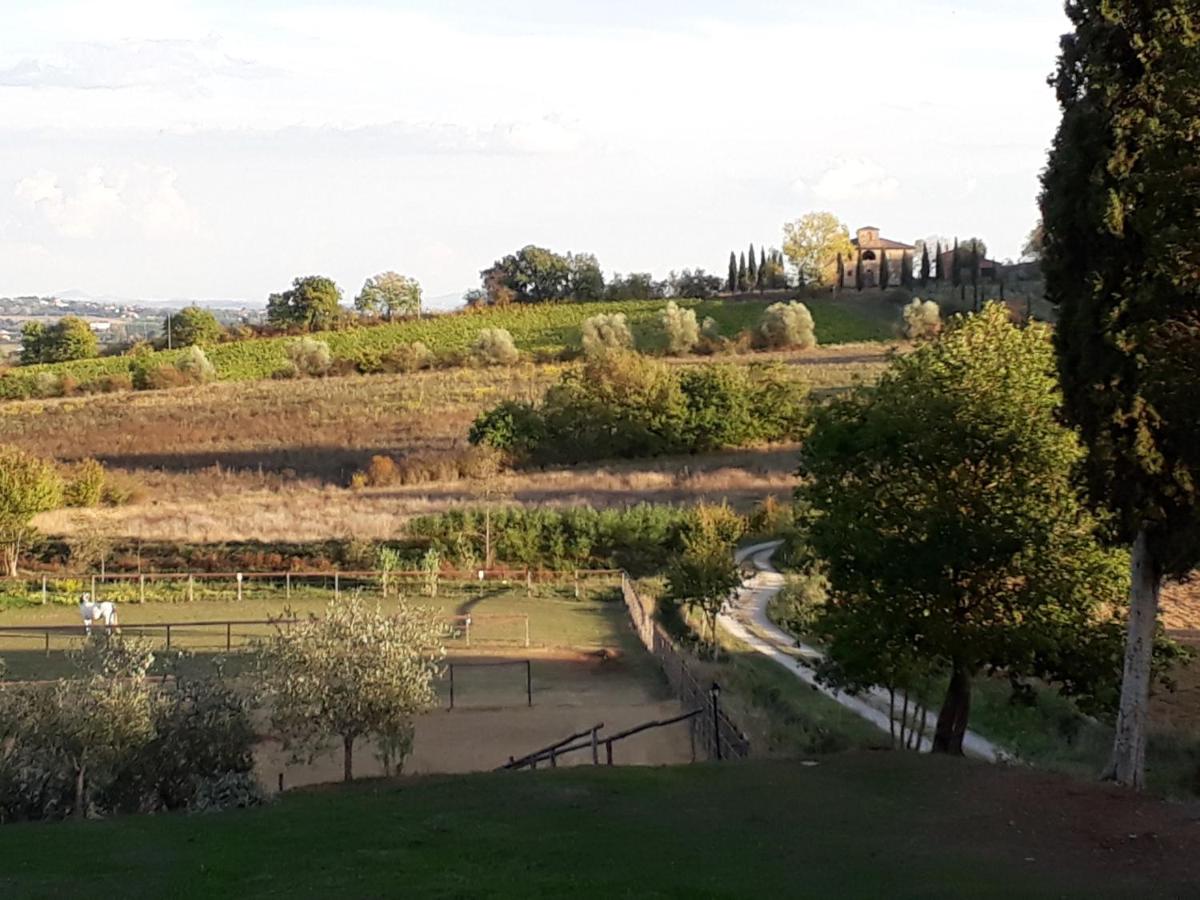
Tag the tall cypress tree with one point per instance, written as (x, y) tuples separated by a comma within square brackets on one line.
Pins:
[(1121, 210), (741, 284), (956, 266), (858, 272), (924, 265), (841, 272), (885, 270), (906, 270), (752, 268), (937, 256), (733, 272), (762, 269)]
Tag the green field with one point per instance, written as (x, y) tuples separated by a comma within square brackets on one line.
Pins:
[(857, 825), (539, 329)]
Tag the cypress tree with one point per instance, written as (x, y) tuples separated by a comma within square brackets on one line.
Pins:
[(733, 272), (924, 265), (741, 282), (885, 270), (906, 270), (858, 273), (752, 270), (762, 269), (937, 257), (1121, 210), (955, 266), (841, 272)]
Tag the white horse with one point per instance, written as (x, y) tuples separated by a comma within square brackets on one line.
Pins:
[(92, 612)]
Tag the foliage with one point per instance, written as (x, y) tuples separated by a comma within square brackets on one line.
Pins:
[(695, 285), (813, 243), (944, 504), (1120, 203), (635, 286), (626, 405), (606, 331), (192, 326), (494, 347), (788, 325), (28, 486), (391, 295), (70, 338), (194, 365), (537, 275), (357, 672), (310, 357), (84, 484), (681, 328), (922, 320), (313, 303), (641, 539), (705, 577)]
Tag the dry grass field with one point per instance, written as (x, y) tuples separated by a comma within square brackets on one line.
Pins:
[(272, 460)]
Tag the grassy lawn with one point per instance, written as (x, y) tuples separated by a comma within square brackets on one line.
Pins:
[(856, 825)]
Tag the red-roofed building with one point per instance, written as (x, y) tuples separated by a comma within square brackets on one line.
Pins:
[(871, 249)]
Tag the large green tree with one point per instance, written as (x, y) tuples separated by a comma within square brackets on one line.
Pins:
[(945, 505), (313, 303), (733, 273), (1121, 255), (68, 339), (192, 326), (531, 275), (390, 294)]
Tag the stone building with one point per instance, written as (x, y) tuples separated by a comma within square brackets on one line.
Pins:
[(871, 249)]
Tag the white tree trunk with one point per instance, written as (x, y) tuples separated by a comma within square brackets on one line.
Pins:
[(1127, 765)]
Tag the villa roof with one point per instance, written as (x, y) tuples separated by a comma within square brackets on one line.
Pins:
[(882, 244)]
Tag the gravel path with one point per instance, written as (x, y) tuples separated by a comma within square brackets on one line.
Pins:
[(747, 620)]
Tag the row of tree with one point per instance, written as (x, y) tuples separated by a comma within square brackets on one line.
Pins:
[(537, 275), (766, 272)]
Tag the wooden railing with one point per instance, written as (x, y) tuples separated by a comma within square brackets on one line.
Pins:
[(590, 738)]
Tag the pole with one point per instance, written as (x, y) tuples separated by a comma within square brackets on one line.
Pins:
[(168, 637), (337, 587), (716, 716), (526, 630), (141, 588), (452, 685), (239, 586), (47, 643), (43, 590), (287, 585), (191, 588), (95, 596), (595, 749), (228, 636), (528, 683)]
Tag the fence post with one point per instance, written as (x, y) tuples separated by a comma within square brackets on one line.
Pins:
[(168, 636), (608, 752), (47, 643), (43, 590), (228, 636), (238, 577), (191, 588), (528, 582), (526, 630), (528, 683), (576, 584), (337, 587), (452, 685), (715, 693), (141, 588), (595, 749), (287, 585), (95, 596), (467, 631)]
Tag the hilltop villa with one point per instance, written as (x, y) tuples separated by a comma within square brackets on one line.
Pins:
[(872, 248)]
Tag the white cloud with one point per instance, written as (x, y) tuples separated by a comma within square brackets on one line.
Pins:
[(854, 179), (97, 203)]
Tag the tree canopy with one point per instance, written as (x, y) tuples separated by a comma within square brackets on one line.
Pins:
[(28, 486), (813, 243), (192, 326), (1121, 228), (67, 339), (944, 504), (389, 294), (313, 303)]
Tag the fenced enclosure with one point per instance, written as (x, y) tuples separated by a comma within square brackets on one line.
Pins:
[(486, 685), (715, 730)]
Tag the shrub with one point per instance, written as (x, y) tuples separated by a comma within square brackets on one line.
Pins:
[(408, 358), (513, 427), (681, 328), (922, 320), (160, 377), (47, 384), (120, 489), (494, 347), (84, 485), (194, 365), (605, 332), (787, 325), (193, 326), (110, 384), (381, 471), (310, 356)]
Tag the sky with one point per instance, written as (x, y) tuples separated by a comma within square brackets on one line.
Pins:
[(154, 149)]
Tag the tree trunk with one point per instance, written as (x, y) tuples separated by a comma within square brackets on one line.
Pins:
[(80, 791), (12, 554), (952, 719), (348, 757), (1127, 766)]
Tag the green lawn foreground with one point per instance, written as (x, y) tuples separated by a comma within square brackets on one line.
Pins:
[(856, 825)]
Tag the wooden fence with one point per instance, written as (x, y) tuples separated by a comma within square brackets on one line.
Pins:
[(714, 730)]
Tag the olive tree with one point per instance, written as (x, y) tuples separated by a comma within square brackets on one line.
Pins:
[(945, 506), (312, 303), (704, 577), (356, 673), (1121, 224), (28, 486)]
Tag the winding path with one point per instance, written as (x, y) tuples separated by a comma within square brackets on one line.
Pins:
[(746, 619)]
